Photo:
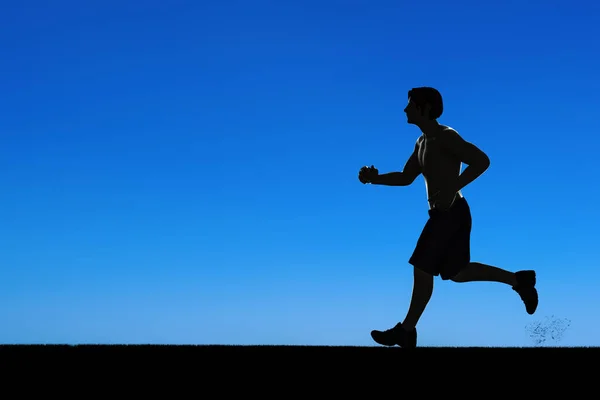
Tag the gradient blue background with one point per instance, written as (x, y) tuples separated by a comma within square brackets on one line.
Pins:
[(186, 172)]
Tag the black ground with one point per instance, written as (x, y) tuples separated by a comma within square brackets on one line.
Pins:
[(331, 371)]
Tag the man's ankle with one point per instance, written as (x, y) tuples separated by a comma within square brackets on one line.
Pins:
[(514, 281), (408, 327)]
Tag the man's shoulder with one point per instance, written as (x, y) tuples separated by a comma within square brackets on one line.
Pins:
[(448, 132), (448, 129)]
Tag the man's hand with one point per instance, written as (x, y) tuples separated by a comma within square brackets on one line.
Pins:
[(367, 174)]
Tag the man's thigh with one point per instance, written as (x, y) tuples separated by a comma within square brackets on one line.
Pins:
[(457, 256), (432, 246)]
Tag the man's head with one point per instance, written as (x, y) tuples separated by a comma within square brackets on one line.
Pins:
[(424, 104)]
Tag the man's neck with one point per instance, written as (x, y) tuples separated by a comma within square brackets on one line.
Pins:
[(429, 128)]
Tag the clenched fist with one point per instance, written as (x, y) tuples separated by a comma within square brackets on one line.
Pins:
[(367, 174)]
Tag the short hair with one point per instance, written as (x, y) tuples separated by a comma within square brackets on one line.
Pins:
[(428, 95)]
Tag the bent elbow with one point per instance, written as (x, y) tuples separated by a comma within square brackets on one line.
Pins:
[(406, 179), (411, 180), (485, 162)]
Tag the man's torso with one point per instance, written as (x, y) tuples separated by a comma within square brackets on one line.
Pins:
[(438, 166)]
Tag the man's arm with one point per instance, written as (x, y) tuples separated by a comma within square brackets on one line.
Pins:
[(476, 160), (411, 170)]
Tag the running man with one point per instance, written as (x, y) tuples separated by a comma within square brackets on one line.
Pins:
[(443, 249)]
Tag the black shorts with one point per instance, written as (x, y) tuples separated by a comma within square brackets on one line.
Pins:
[(444, 247)]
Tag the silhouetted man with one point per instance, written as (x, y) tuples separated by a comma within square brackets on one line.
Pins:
[(444, 245)]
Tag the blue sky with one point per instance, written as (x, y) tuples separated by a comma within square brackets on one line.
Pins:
[(185, 172)]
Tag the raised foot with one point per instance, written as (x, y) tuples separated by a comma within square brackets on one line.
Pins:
[(525, 287)]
